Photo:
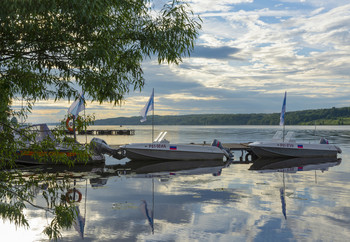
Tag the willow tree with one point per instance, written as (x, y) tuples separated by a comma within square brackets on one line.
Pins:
[(48, 47)]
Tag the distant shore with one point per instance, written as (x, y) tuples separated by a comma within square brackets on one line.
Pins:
[(331, 116)]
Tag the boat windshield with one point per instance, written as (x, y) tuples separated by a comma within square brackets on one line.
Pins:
[(278, 137), (42, 132), (160, 138), (289, 137)]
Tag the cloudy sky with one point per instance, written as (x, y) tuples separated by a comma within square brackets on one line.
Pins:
[(248, 54)]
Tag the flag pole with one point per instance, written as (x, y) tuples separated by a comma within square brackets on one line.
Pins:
[(77, 106), (153, 118), (149, 105), (85, 125), (153, 125), (283, 112), (75, 135)]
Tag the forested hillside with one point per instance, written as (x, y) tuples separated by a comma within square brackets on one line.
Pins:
[(331, 116)]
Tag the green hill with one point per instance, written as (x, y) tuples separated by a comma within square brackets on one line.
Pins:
[(331, 116)]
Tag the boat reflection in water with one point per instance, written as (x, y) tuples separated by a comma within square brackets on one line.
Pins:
[(141, 169), (164, 172), (173, 168), (293, 165)]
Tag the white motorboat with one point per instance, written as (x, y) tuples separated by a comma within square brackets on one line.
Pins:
[(288, 147), (161, 149)]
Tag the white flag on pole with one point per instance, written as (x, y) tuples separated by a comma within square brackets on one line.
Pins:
[(77, 106), (283, 112), (148, 107)]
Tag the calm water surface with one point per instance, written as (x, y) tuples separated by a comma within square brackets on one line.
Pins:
[(208, 202)]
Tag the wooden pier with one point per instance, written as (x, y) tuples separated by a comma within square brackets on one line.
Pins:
[(247, 154), (236, 146), (105, 132)]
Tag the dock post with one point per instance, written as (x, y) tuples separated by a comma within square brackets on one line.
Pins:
[(241, 157)]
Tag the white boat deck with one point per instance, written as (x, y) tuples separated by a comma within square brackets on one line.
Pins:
[(231, 146)]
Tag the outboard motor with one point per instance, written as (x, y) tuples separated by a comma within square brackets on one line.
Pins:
[(227, 152), (324, 141), (99, 146)]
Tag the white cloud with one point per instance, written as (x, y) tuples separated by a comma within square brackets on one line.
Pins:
[(318, 3), (187, 96), (201, 6), (277, 54)]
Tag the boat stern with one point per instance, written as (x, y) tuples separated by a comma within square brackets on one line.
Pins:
[(338, 149)]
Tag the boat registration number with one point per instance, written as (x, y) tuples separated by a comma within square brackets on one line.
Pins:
[(157, 146), (285, 145)]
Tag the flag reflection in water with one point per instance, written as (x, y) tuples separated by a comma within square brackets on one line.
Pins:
[(148, 213)]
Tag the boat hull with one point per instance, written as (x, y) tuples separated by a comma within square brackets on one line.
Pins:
[(33, 158), (169, 152), (291, 150)]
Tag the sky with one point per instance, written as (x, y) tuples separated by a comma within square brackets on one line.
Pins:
[(248, 53)]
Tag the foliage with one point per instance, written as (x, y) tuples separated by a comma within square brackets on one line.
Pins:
[(98, 44)]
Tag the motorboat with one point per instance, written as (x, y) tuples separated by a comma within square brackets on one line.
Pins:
[(288, 147), (162, 149), (27, 153)]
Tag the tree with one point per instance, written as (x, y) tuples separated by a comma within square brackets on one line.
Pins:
[(48, 47)]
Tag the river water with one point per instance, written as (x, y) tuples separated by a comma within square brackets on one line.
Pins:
[(208, 201)]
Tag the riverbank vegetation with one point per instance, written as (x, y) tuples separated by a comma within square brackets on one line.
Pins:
[(331, 116)]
